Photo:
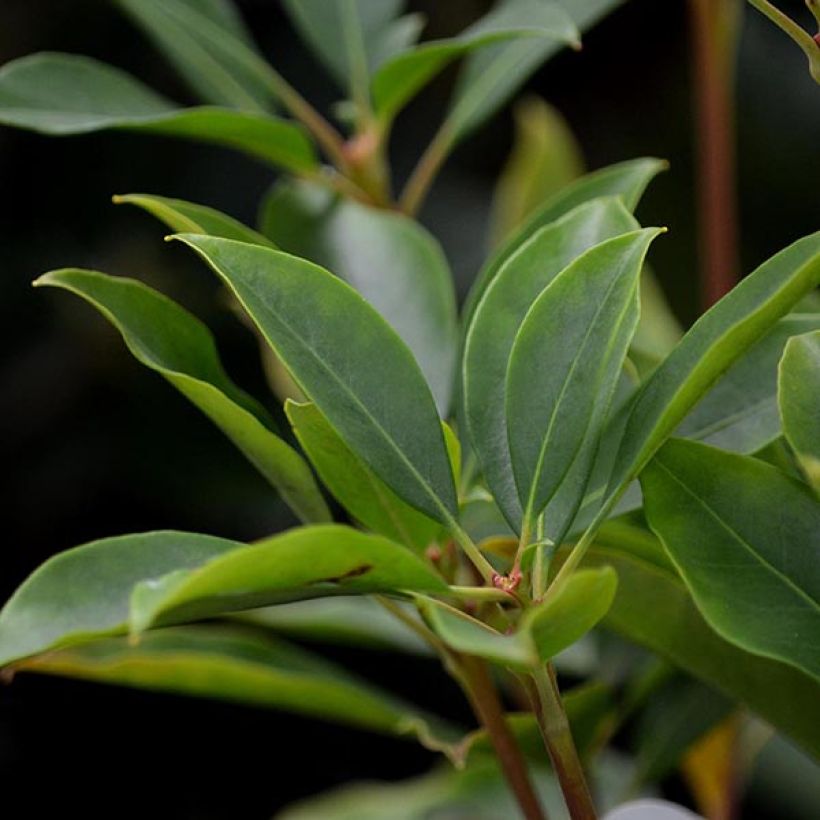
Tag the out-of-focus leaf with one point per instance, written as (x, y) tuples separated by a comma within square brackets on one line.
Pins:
[(137, 581), (653, 609), (63, 94), (740, 412), (745, 537), (497, 319), (172, 342), (799, 400), (390, 260), (349, 362), (565, 363), (718, 339), (354, 485), (545, 158), (240, 666), (512, 25), (209, 45), (658, 330), (188, 217), (625, 179)]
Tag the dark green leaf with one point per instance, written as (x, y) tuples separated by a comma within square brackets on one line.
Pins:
[(799, 400), (166, 338), (626, 179), (188, 217), (208, 44), (565, 363), (745, 538), (391, 260), (62, 94), (137, 581), (714, 343), (354, 485), (740, 412), (498, 318), (349, 362)]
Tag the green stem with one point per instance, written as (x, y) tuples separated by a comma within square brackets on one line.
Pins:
[(807, 43), (425, 172), (552, 720), (414, 625), (485, 568), (481, 594)]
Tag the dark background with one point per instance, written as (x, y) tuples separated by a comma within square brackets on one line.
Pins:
[(92, 444)]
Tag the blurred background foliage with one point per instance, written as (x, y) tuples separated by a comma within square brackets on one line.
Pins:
[(93, 445)]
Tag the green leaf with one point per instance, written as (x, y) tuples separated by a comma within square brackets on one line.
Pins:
[(349, 362), (354, 485), (798, 397), (172, 342), (390, 260), (491, 76), (652, 608), (712, 345), (545, 629), (565, 363), (239, 666), (188, 217), (208, 44), (134, 582), (740, 412), (545, 158), (399, 79), (63, 94), (745, 537), (498, 318), (626, 179)]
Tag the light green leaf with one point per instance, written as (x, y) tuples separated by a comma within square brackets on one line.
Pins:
[(349, 362), (63, 94), (497, 319), (188, 217), (491, 76), (745, 537), (175, 344), (237, 665), (354, 485), (390, 260), (658, 330), (208, 44), (626, 179), (399, 79), (545, 158), (565, 363), (134, 582), (740, 412), (544, 630), (799, 400), (652, 608), (714, 343)]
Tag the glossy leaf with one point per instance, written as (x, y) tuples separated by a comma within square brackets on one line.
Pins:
[(354, 485), (653, 609), (745, 537), (137, 581), (740, 412), (718, 339), (239, 666), (390, 260), (565, 363), (545, 158), (491, 76), (399, 79), (625, 179), (498, 318), (545, 630), (209, 45), (172, 342), (63, 94), (799, 400), (188, 217), (349, 362)]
